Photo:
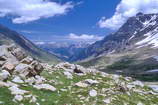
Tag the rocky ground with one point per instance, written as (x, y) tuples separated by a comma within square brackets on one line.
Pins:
[(26, 81)]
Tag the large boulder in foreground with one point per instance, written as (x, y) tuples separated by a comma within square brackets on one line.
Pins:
[(17, 62)]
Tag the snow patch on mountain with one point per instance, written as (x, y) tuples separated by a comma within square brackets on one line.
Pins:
[(149, 40)]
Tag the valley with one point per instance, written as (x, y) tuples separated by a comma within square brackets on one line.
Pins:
[(98, 53)]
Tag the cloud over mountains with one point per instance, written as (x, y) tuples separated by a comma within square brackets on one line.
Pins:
[(25, 11), (84, 37), (126, 9)]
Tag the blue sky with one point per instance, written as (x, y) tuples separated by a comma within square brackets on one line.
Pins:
[(82, 19), (66, 20)]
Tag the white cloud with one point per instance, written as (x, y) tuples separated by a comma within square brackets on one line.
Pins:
[(40, 43), (126, 9), (30, 10), (84, 37)]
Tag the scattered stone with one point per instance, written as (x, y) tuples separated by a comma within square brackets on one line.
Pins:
[(107, 101), (81, 84), (154, 87), (39, 79), (19, 54), (22, 69), (138, 83), (68, 75), (18, 98), (91, 82), (17, 79), (78, 69), (37, 67), (4, 75), (30, 80), (43, 100), (1, 63), (64, 90), (140, 103), (3, 84), (28, 60), (93, 93), (1, 102), (8, 66), (45, 87), (33, 99), (16, 91)]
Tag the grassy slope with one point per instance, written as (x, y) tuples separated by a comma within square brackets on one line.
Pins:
[(130, 63), (78, 96)]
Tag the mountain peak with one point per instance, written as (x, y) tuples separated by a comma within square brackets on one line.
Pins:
[(139, 14)]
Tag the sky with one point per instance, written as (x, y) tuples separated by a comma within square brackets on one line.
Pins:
[(70, 20)]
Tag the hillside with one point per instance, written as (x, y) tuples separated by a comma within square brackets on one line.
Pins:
[(29, 82), (8, 36), (132, 50)]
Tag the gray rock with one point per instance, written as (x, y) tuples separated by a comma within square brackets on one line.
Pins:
[(93, 93), (45, 87), (4, 75), (68, 75), (16, 91), (18, 98), (27, 60), (8, 66), (22, 69), (19, 54), (17, 79), (91, 82)]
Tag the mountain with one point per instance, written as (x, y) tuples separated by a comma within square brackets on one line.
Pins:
[(65, 51), (132, 50), (8, 36)]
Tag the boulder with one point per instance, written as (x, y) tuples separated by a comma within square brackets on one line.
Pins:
[(30, 80), (16, 91), (22, 69), (81, 84), (107, 101), (65, 66), (39, 79), (18, 98), (93, 93), (68, 75), (19, 54), (4, 75), (37, 67), (3, 84), (78, 69), (3, 52), (3, 58), (1, 63), (17, 79), (91, 82), (8, 66), (11, 47), (45, 87), (27, 60)]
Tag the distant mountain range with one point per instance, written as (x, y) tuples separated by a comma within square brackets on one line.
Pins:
[(64, 51), (8, 36)]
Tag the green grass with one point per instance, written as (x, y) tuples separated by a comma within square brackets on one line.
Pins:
[(79, 96)]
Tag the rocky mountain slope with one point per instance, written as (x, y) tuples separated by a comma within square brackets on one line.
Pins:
[(134, 30), (132, 50), (8, 36), (25, 81)]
